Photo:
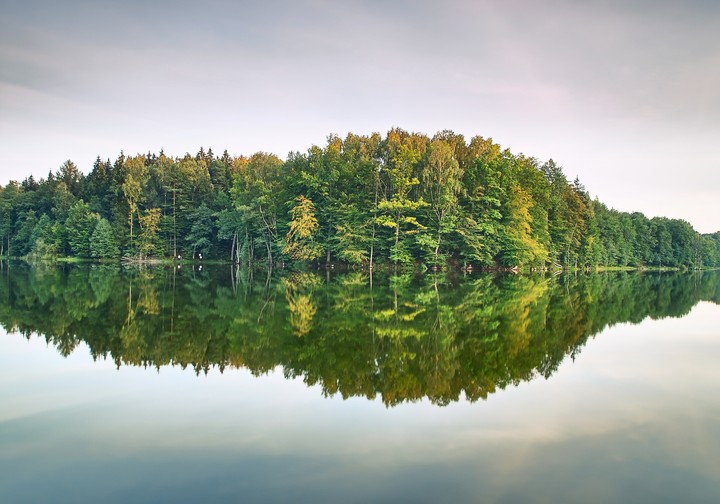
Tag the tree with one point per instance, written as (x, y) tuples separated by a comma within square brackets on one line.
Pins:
[(442, 178), (359, 187), (22, 238), (8, 210), (520, 247), (132, 187), (71, 176), (102, 243), (202, 228), (397, 210), (79, 227), (257, 195), (480, 221), (45, 239), (232, 227), (300, 240), (147, 242)]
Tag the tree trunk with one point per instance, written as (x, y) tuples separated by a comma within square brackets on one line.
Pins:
[(130, 219), (327, 251), (251, 249), (372, 249), (174, 226), (437, 246), (372, 242)]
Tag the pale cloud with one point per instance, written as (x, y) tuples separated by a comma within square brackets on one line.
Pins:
[(579, 82)]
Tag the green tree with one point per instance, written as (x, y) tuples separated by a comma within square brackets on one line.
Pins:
[(45, 239), (398, 211), (79, 227), (21, 242), (257, 195), (71, 176), (359, 187), (102, 242), (136, 172), (300, 240), (202, 229), (442, 178), (480, 223), (520, 247), (232, 228), (8, 212), (147, 242)]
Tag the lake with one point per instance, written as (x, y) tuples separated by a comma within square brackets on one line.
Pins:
[(212, 384)]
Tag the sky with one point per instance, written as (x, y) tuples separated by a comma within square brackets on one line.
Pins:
[(624, 95)]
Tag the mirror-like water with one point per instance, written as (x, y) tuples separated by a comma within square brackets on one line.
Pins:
[(186, 386)]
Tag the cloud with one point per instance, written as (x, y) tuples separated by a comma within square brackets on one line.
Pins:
[(568, 80)]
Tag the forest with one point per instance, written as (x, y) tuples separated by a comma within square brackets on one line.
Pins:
[(404, 200)]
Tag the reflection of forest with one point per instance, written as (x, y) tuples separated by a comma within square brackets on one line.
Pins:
[(404, 337)]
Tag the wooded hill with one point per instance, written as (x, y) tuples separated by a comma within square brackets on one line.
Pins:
[(404, 199)]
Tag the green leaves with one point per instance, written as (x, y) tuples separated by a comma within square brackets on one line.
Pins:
[(79, 227), (403, 198), (102, 243), (300, 239)]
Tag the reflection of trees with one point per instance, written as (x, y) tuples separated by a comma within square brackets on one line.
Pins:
[(405, 338), (298, 294)]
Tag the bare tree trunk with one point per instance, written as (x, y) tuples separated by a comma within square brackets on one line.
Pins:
[(237, 248), (437, 245), (372, 248), (174, 226), (251, 249)]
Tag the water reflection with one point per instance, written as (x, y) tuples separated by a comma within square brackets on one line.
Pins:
[(401, 337)]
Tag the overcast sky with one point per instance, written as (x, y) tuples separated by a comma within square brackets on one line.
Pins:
[(623, 94)]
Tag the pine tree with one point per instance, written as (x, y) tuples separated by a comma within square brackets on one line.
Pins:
[(103, 244)]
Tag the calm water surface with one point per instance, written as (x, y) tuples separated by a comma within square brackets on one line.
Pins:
[(216, 386)]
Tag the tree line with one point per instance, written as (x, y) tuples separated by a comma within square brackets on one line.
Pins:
[(403, 199)]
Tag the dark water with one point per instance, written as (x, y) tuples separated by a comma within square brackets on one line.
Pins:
[(216, 386)]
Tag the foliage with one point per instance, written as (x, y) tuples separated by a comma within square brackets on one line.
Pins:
[(102, 243), (147, 239), (79, 226), (202, 231), (404, 199), (300, 240)]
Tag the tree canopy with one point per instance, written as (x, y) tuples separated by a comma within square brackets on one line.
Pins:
[(404, 199)]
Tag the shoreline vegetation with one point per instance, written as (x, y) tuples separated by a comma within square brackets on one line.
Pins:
[(404, 200)]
